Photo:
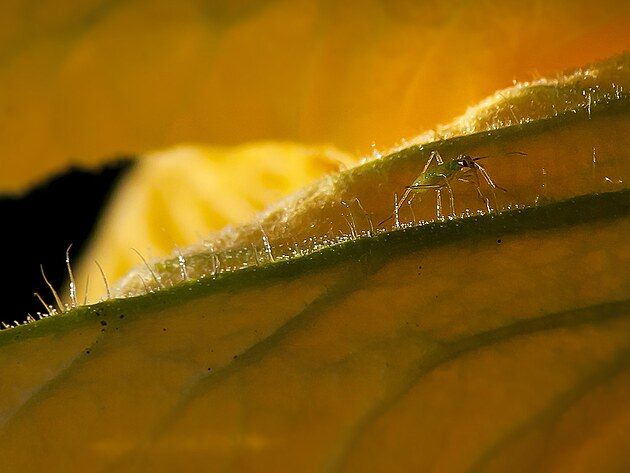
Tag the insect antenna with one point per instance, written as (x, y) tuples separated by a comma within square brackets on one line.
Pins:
[(494, 156)]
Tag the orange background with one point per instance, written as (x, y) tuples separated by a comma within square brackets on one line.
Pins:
[(84, 82)]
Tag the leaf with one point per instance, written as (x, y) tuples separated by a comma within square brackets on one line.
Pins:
[(564, 126), (488, 342), (172, 197), (86, 82)]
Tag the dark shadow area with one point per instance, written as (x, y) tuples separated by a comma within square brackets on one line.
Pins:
[(38, 226)]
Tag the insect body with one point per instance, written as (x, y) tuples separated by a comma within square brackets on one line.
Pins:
[(437, 175)]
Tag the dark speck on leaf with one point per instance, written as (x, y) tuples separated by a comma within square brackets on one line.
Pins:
[(122, 316), (235, 357), (103, 323)]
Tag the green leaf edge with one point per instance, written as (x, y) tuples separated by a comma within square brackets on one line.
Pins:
[(573, 211), (368, 250), (607, 106)]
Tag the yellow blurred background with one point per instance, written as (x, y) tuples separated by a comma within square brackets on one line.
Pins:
[(84, 81)]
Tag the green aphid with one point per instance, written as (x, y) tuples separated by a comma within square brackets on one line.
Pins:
[(437, 175)]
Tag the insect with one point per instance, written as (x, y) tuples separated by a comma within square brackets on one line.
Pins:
[(437, 175)]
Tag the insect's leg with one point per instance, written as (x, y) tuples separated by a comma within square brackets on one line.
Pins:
[(419, 187), (489, 180), (479, 193), (487, 201), (475, 182), (413, 196), (402, 201), (433, 156), (487, 177), (408, 190), (439, 187), (438, 157), (450, 195), (398, 205)]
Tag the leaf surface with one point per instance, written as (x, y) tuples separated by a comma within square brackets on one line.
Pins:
[(484, 342)]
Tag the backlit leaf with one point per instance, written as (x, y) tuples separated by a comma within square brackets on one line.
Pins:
[(486, 342)]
